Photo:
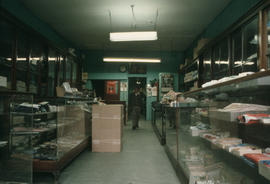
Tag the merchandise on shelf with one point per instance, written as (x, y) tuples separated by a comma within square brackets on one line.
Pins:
[(257, 157), (254, 118), (225, 79), (264, 168)]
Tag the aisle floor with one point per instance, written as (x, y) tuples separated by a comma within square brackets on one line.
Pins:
[(142, 161)]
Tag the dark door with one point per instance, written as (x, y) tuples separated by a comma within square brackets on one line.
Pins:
[(139, 82)]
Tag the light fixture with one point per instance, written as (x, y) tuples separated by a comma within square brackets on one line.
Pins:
[(133, 36), (131, 60)]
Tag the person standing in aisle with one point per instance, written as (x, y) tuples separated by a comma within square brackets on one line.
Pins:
[(136, 101)]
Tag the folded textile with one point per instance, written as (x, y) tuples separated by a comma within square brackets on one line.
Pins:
[(257, 157), (252, 118)]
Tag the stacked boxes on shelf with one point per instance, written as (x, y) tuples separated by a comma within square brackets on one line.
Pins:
[(190, 76)]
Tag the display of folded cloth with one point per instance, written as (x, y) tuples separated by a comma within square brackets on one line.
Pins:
[(253, 118), (242, 150), (257, 157), (210, 137), (243, 107), (229, 141)]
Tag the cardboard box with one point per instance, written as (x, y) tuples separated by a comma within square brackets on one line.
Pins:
[(60, 92), (107, 122)]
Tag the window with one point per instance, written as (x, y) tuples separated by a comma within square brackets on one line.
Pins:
[(237, 52), (207, 66), (36, 58), (22, 61), (221, 59), (250, 43)]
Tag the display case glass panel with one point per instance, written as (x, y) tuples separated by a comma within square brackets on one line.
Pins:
[(52, 60), (6, 45), (36, 58), (217, 139), (74, 75), (207, 66), (22, 61), (60, 75), (237, 52), (251, 46), (16, 153), (69, 62)]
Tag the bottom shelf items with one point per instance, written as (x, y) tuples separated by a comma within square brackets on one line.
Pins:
[(206, 162)]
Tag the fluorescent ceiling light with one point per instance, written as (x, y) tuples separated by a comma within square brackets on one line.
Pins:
[(131, 60), (133, 36)]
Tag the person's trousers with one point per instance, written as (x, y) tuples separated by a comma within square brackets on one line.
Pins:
[(136, 111)]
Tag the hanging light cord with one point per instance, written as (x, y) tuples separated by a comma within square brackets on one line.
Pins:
[(133, 16)]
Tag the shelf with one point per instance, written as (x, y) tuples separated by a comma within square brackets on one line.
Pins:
[(32, 114), (247, 83), (41, 130), (226, 151)]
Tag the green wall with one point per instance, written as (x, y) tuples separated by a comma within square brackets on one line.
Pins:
[(17, 9), (224, 20), (96, 69)]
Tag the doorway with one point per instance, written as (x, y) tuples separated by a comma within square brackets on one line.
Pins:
[(107, 90), (139, 82)]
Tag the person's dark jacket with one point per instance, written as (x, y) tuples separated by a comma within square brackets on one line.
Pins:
[(136, 100)]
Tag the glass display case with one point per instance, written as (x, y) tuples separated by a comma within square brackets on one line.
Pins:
[(216, 138), (16, 151), (206, 74), (63, 135)]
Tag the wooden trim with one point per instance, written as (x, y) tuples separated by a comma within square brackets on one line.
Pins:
[(263, 39)]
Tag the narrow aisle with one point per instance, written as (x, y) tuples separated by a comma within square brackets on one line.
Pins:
[(142, 161)]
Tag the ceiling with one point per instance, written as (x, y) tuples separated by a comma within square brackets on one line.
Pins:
[(87, 23)]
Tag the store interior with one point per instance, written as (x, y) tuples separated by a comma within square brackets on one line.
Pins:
[(135, 92)]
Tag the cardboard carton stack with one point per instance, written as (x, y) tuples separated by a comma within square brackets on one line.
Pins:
[(107, 122)]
